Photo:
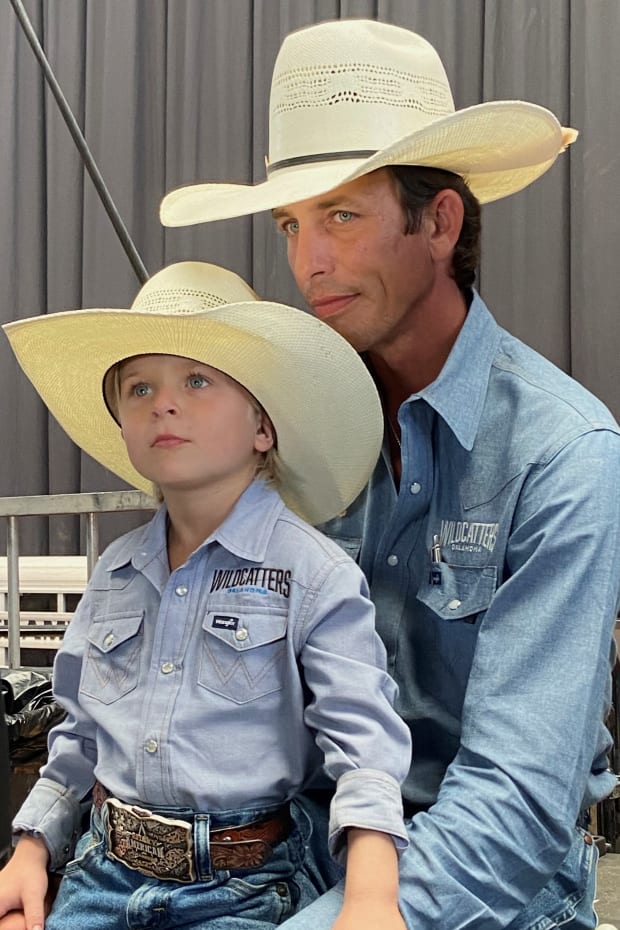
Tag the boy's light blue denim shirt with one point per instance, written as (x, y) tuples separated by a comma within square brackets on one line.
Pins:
[(501, 648), (225, 685)]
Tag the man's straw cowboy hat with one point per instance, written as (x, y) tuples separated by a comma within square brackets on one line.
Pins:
[(351, 96)]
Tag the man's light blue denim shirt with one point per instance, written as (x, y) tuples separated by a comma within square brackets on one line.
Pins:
[(226, 684), (500, 638)]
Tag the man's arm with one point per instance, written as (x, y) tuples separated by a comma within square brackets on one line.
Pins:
[(534, 707)]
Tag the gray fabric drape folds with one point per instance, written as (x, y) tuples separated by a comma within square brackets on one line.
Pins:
[(175, 91)]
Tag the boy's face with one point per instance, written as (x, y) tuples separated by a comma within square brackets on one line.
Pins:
[(188, 426)]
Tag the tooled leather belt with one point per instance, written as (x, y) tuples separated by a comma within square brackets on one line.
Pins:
[(164, 848)]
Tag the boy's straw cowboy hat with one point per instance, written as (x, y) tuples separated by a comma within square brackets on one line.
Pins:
[(351, 96), (312, 383)]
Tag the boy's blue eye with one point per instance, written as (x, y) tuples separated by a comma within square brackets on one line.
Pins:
[(141, 390), (197, 381)]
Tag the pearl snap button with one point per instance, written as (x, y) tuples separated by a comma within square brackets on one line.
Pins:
[(181, 590), (392, 560), (109, 639), (167, 667), (151, 745), (453, 605), (241, 635), (416, 487)]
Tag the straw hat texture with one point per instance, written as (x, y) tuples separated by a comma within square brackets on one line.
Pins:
[(351, 96), (314, 386)]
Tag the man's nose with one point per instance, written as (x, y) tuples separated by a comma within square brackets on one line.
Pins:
[(310, 255)]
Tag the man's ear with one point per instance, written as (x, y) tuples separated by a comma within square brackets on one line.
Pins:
[(443, 221), (265, 438)]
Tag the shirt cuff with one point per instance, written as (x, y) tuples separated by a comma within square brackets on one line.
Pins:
[(53, 813), (368, 799)]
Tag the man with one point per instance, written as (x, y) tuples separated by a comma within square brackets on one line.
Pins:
[(490, 531)]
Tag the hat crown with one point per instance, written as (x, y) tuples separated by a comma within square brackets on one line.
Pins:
[(191, 287), (352, 86)]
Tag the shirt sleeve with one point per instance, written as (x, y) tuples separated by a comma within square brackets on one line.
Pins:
[(535, 703), (53, 809), (367, 747)]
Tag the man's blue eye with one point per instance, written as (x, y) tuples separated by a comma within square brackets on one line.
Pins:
[(345, 215)]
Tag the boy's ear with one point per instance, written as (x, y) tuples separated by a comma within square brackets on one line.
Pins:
[(265, 434)]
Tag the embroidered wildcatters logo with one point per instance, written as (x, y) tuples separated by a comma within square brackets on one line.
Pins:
[(462, 536), (252, 579)]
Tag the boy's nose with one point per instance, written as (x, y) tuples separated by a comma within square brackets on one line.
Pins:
[(165, 403)]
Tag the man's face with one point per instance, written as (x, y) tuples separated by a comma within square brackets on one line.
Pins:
[(353, 262)]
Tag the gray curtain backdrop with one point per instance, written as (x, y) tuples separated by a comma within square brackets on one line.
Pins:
[(174, 91)]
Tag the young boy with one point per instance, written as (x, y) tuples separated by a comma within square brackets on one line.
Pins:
[(224, 654)]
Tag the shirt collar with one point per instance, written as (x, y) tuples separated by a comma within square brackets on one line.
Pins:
[(245, 532), (142, 545), (247, 529), (458, 393)]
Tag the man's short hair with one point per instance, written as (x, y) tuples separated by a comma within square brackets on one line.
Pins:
[(416, 186)]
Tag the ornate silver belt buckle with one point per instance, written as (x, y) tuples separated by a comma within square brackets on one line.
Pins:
[(159, 847)]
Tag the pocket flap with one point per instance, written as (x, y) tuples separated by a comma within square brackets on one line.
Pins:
[(242, 631), (111, 631), (462, 591)]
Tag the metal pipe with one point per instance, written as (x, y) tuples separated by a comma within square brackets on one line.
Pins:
[(80, 141), (92, 541), (12, 559)]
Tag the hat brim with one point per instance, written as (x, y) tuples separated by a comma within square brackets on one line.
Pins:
[(498, 147), (314, 386)]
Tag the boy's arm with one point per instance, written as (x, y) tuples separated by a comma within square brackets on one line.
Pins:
[(371, 884)]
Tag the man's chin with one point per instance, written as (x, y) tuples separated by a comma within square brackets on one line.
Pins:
[(349, 333)]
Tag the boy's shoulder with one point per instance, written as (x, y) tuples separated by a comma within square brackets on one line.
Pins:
[(263, 526), (306, 539)]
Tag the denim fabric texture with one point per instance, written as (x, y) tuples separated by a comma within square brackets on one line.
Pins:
[(243, 676), (566, 901), (495, 571), (98, 893)]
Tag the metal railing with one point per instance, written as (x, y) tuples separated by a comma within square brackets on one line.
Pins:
[(89, 505)]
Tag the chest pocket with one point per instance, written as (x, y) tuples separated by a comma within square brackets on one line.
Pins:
[(462, 594), (112, 661), (243, 654)]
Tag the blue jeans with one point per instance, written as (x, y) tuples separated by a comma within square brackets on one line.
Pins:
[(566, 901), (99, 893)]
